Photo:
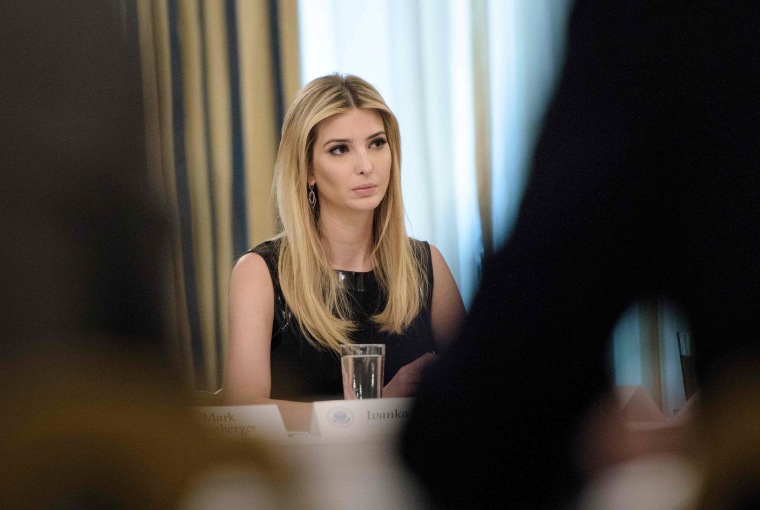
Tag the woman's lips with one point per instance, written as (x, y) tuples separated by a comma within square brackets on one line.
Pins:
[(365, 189)]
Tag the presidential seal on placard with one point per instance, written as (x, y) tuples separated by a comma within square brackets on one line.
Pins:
[(340, 416)]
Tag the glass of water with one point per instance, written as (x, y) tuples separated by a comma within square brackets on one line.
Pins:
[(363, 368)]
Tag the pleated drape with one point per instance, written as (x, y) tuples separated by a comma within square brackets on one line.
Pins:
[(217, 76)]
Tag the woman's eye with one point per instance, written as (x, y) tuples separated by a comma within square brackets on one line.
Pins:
[(378, 143), (339, 149)]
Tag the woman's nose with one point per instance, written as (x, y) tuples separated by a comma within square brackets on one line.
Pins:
[(363, 162)]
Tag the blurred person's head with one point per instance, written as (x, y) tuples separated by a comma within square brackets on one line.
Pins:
[(83, 240)]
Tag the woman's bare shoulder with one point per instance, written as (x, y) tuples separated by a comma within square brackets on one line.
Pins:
[(251, 268)]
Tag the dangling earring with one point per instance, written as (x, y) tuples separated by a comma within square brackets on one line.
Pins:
[(312, 196)]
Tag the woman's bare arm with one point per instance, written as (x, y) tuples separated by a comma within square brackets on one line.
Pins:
[(446, 315), (448, 312), (247, 371)]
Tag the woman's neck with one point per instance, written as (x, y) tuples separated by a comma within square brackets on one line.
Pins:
[(348, 246)]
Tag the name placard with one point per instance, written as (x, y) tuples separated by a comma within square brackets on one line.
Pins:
[(261, 421), (373, 416)]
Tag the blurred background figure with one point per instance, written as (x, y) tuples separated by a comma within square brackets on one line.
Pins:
[(644, 182), (93, 411)]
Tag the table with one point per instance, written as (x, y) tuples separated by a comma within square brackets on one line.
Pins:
[(352, 473)]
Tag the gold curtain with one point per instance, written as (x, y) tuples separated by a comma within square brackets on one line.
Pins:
[(217, 76)]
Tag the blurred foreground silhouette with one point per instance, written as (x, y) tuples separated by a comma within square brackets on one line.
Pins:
[(93, 411), (644, 183)]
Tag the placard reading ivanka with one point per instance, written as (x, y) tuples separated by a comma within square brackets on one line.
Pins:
[(360, 417)]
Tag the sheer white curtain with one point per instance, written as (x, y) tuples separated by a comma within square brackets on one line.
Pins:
[(468, 81)]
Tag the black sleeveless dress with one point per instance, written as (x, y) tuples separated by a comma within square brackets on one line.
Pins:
[(303, 372)]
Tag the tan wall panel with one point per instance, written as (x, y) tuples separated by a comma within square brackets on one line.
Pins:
[(289, 49), (258, 116), (153, 22), (218, 81), (482, 117), (197, 169)]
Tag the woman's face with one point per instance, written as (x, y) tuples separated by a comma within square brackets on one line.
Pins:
[(351, 163)]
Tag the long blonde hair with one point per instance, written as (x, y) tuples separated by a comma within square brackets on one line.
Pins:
[(310, 286)]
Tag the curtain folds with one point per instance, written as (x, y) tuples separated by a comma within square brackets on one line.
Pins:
[(216, 77)]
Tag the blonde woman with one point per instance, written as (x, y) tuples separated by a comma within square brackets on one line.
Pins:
[(342, 269)]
